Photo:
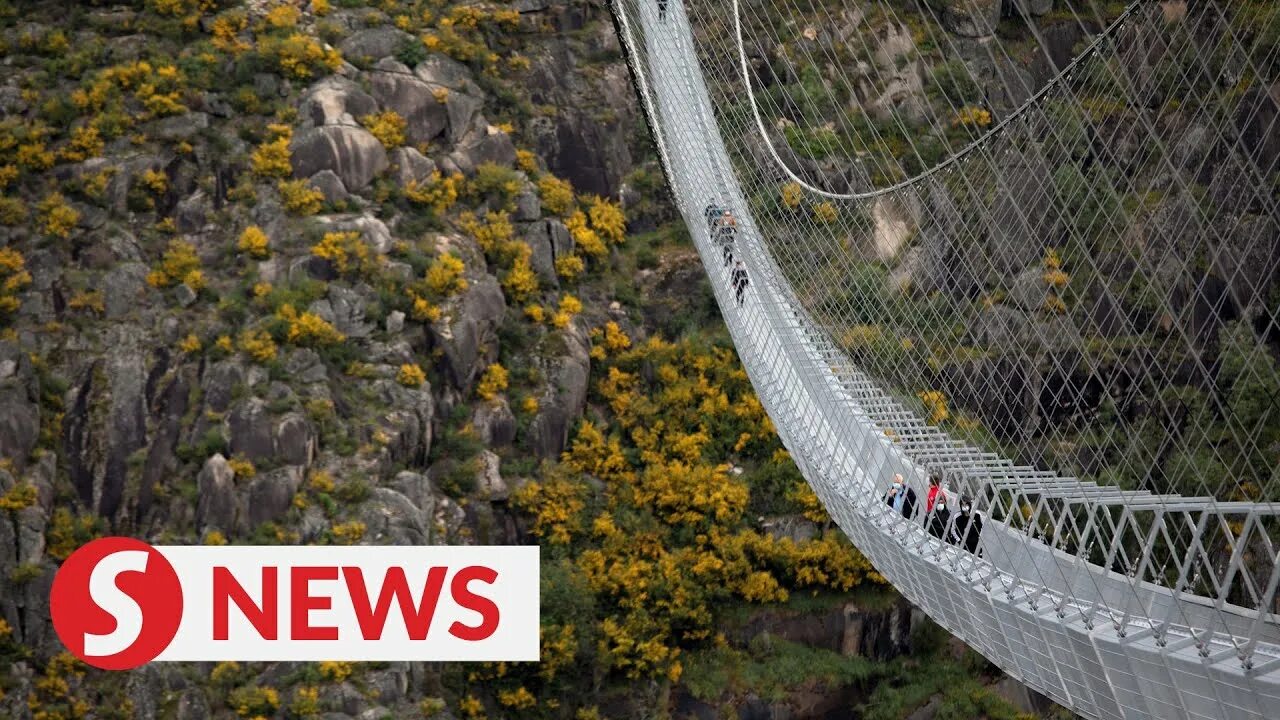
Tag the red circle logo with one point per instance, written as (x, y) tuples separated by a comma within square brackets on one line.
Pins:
[(116, 603)]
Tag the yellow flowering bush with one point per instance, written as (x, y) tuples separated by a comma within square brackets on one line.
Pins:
[(300, 197), (569, 267), (348, 533), (493, 381), (444, 276), (258, 345), (347, 252), (970, 116), (521, 282), (254, 243), (387, 126), (607, 220), (438, 193), (57, 218), (307, 328), (411, 375), (556, 195), (300, 56), (587, 239), (178, 265), (935, 406), (13, 278), (826, 212), (791, 195), (272, 158)]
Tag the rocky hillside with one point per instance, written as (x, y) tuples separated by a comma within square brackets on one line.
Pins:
[(401, 272)]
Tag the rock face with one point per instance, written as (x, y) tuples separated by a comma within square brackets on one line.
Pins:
[(216, 506), (1020, 213), (466, 333), (19, 410), (565, 396), (969, 18), (375, 43), (352, 153), (397, 88), (106, 423)]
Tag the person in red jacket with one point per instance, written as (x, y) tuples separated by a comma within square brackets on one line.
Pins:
[(935, 492)]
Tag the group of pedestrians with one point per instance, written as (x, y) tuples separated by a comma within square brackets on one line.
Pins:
[(723, 228), (965, 529)]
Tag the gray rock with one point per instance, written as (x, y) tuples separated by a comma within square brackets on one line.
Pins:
[(395, 322), (489, 480), (190, 213), (305, 366), (375, 43), (348, 312), (467, 332), (271, 495), (19, 409), (310, 267), (193, 705), (565, 396), (409, 165), (442, 70), (491, 147), (494, 423), (122, 288), (145, 689), (216, 506), (417, 488), (295, 440), (1028, 290), (184, 295), (375, 231), (391, 519), (1248, 258), (353, 153), (528, 207), (549, 240), (251, 430), (328, 182), (336, 100), (969, 18), (414, 100), (999, 327), (179, 127), (1022, 216)]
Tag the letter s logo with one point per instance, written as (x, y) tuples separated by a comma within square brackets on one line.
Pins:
[(116, 603)]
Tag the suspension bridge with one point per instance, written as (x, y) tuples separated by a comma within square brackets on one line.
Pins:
[(1046, 271)]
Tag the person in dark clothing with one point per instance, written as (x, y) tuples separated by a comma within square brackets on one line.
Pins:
[(662, 10), (739, 279), (939, 517), (725, 238), (900, 497), (968, 528)]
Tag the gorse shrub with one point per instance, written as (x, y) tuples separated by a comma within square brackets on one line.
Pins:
[(387, 126)]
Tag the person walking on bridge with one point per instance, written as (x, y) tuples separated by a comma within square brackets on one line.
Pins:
[(900, 497), (662, 10), (739, 279), (726, 235), (935, 492), (968, 528)]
